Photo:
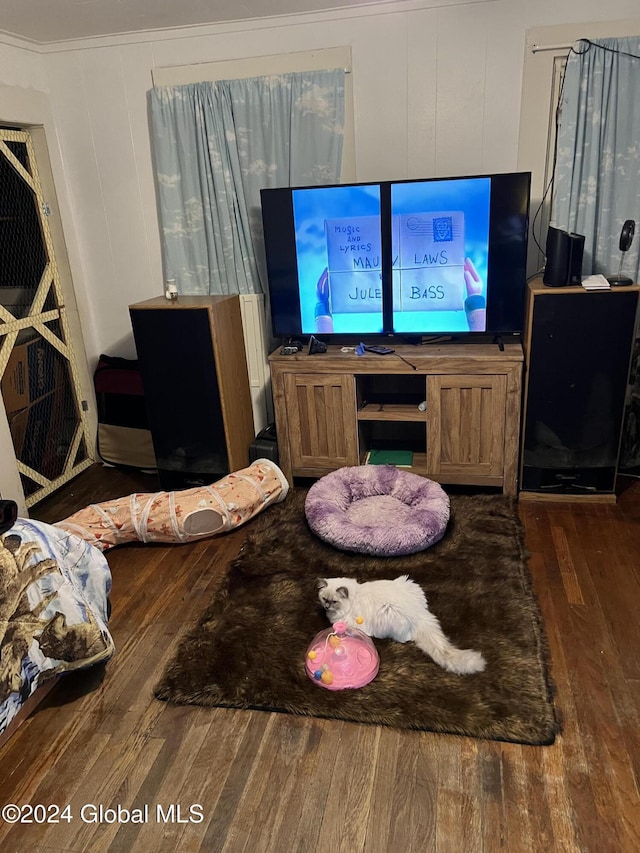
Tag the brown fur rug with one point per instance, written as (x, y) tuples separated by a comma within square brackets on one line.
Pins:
[(248, 650)]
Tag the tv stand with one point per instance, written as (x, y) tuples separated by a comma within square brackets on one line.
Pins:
[(332, 408)]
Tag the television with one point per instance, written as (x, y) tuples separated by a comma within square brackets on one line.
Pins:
[(410, 259)]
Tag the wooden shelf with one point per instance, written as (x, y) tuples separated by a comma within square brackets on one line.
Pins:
[(419, 464), (391, 412)]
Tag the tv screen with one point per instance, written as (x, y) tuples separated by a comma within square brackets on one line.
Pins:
[(413, 258)]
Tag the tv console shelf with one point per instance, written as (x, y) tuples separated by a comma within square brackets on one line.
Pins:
[(332, 408)]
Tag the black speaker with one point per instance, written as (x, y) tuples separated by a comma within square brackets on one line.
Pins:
[(192, 360), (578, 356), (564, 258)]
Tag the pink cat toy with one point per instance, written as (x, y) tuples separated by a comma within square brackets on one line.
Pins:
[(341, 657)]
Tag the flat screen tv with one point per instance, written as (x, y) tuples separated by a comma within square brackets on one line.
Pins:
[(410, 259)]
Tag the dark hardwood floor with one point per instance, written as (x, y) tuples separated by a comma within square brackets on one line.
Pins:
[(275, 782)]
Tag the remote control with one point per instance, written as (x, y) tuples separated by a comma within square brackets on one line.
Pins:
[(380, 350)]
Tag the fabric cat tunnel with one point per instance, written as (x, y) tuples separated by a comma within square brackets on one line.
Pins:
[(181, 516)]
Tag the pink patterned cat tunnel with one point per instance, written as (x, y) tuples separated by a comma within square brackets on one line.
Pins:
[(181, 516)]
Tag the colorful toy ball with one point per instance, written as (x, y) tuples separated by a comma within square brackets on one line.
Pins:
[(340, 657)]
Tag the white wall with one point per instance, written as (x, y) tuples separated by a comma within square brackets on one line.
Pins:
[(436, 92)]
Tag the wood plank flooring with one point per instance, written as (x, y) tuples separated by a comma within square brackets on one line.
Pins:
[(253, 781)]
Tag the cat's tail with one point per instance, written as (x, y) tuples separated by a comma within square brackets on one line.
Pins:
[(430, 638)]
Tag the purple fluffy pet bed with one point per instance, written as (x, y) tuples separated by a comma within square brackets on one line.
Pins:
[(377, 509)]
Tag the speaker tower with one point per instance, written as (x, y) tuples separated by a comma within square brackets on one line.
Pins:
[(577, 352), (564, 254)]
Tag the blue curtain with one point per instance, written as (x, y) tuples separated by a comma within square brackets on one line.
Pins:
[(216, 145), (597, 174)]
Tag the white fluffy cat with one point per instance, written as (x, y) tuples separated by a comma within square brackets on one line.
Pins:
[(397, 610)]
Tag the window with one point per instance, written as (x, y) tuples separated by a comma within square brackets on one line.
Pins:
[(258, 66)]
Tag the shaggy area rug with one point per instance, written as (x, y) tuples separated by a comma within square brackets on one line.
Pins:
[(248, 649)]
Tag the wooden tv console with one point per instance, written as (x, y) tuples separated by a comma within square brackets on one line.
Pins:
[(331, 408)]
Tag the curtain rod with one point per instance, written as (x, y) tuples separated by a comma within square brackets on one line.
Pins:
[(537, 48)]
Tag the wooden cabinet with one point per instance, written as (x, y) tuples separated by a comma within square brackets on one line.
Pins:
[(196, 386), (331, 408), (466, 428), (321, 412)]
